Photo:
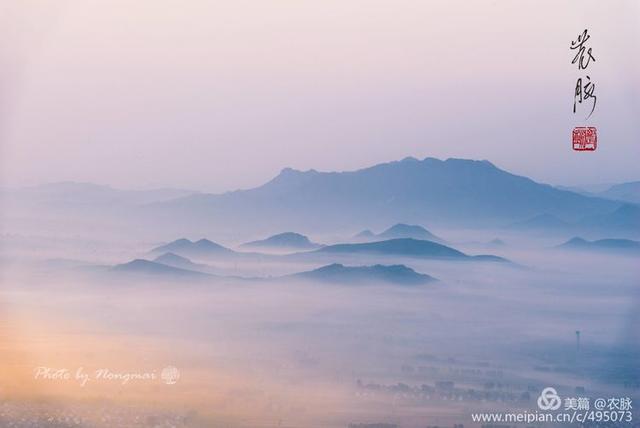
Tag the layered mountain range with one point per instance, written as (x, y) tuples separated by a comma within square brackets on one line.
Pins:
[(429, 191), (440, 193)]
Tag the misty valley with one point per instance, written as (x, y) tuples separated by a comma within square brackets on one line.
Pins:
[(403, 295)]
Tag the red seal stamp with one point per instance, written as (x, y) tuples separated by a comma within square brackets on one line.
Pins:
[(585, 138)]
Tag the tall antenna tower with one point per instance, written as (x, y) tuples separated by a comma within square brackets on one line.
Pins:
[(577, 341)]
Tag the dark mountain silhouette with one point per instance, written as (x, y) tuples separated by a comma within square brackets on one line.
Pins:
[(393, 274), (455, 191), (146, 267), (617, 245), (200, 248), (174, 260), (401, 230), (405, 247), (398, 247), (286, 240)]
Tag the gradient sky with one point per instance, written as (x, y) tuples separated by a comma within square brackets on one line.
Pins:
[(219, 95)]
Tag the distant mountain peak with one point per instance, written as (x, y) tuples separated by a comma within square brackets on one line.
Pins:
[(201, 247), (454, 192), (611, 244), (576, 241), (290, 178), (409, 159), (171, 258), (403, 230), (470, 162), (402, 227), (430, 159), (628, 192), (284, 240), (147, 267), (624, 220), (181, 241), (296, 172), (365, 234), (205, 241)]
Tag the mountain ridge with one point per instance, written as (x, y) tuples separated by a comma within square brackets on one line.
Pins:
[(609, 244), (201, 247), (401, 230), (389, 274), (284, 240), (453, 191), (404, 247)]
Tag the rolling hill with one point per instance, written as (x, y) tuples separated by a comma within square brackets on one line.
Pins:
[(403, 247), (609, 245), (174, 260), (339, 274), (200, 248), (402, 230), (147, 267), (286, 240)]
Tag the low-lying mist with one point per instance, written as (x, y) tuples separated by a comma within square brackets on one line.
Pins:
[(282, 351)]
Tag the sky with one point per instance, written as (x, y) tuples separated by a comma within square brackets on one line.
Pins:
[(220, 95)]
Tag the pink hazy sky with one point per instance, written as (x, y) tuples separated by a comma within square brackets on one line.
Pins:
[(219, 95)]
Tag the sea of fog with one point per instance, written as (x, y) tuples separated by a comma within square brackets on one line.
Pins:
[(82, 349)]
